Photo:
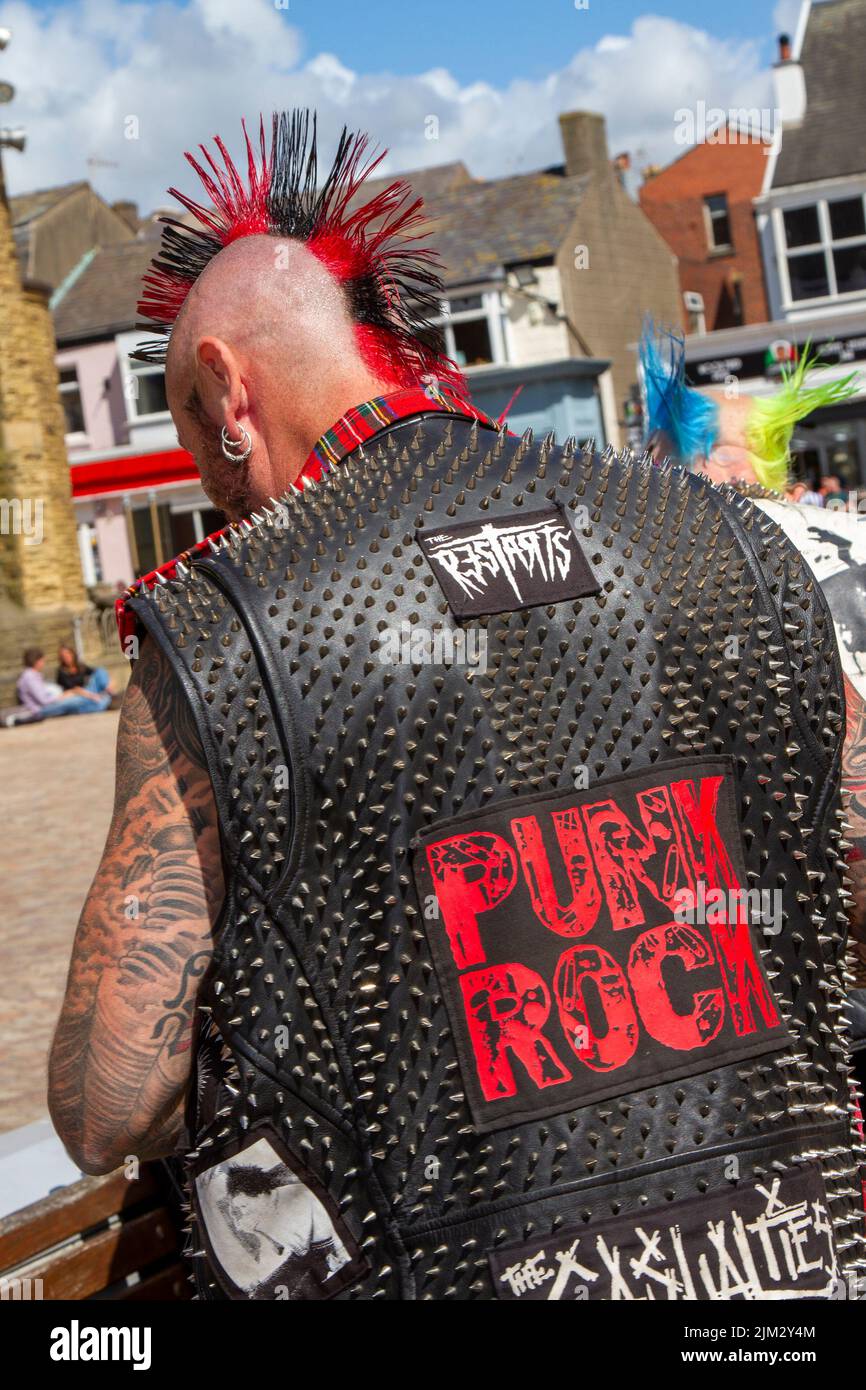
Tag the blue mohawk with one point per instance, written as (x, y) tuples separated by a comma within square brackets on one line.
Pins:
[(689, 419)]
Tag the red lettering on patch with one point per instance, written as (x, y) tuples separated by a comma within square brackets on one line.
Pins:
[(588, 967), (640, 997), (630, 858), (652, 951), (579, 914), (507, 1007), (472, 874)]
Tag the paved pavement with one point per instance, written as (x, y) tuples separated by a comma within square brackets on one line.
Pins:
[(56, 793)]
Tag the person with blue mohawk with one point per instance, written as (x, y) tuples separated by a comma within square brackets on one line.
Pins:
[(741, 440), (744, 442)]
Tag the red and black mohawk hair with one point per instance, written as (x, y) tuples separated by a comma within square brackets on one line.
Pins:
[(393, 284)]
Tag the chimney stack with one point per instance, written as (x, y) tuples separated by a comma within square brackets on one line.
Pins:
[(789, 86), (584, 142)]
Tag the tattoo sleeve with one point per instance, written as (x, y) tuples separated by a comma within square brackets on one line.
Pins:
[(120, 1062), (854, 791)]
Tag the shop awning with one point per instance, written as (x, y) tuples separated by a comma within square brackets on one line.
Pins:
[(131, 472)]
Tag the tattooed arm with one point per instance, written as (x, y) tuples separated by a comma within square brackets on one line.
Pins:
[(120, 1062), (854, 789)]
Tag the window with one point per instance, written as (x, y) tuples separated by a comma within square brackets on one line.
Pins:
[(183, 536), (70, 398), (801, 226), (846, 218), (825, 246), (150, 554), (88, 549), (143, 383), (470, 329), (849, 263), (808, 275), (189, 525), (718, 222), (145, 389)]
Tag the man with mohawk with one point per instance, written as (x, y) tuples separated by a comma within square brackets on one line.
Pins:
[(449, 982)]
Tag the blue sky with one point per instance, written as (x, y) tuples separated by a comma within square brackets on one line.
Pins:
[(491, 39), (505, 38), (114, 90)]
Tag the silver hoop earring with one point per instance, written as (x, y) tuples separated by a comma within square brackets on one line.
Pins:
[(236, 450)]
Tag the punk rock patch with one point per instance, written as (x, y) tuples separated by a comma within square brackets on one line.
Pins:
[(570, 969), (770, 1241), (500, 563), (271, 1230)]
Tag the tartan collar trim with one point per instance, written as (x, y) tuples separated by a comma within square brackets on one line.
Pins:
[(358, 425), (365, 421)]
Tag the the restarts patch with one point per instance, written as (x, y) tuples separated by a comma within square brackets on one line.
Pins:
[(570, 963), (500, 563)]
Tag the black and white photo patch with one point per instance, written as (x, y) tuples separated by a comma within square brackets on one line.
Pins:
[(501, 563), (772, 1240), (271, 1229)]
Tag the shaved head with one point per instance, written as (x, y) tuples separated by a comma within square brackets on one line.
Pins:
[(265, 347), (264, 292)]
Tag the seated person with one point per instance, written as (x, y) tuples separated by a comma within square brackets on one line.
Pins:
[(48, 700), (73, 674)]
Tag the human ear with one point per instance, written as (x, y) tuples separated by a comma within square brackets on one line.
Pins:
[(219, 383)]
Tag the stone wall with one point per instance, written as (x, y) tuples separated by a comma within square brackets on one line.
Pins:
[(615, 269), (40, 572)]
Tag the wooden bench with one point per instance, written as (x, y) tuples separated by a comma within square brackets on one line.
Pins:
[(104, 1238)]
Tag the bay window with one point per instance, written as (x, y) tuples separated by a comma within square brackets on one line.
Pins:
[(825, 248)]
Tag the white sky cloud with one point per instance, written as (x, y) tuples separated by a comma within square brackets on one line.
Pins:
[(785, 17), (187, 73)]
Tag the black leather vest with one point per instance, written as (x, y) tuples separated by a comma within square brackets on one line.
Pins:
[(487, 1015)]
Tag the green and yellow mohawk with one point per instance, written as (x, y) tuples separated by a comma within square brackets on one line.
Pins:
[(772, 418), (689, 419)]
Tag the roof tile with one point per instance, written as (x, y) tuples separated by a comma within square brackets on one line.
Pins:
[(831, 142), (478, 227)]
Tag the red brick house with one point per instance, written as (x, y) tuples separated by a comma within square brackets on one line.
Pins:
[(702, 206)]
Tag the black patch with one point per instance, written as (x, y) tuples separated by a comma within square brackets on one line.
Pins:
[(594, 942), (270, 1228), (501, 563), (769, 1241)]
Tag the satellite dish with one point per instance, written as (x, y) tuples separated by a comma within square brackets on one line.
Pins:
[(7, 91)]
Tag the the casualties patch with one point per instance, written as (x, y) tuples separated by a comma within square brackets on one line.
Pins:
[(771, 1241), (591, 943), (500, 563), (271, 1230)]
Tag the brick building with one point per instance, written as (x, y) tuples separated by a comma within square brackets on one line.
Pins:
[(702, 206), (811, 222)]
